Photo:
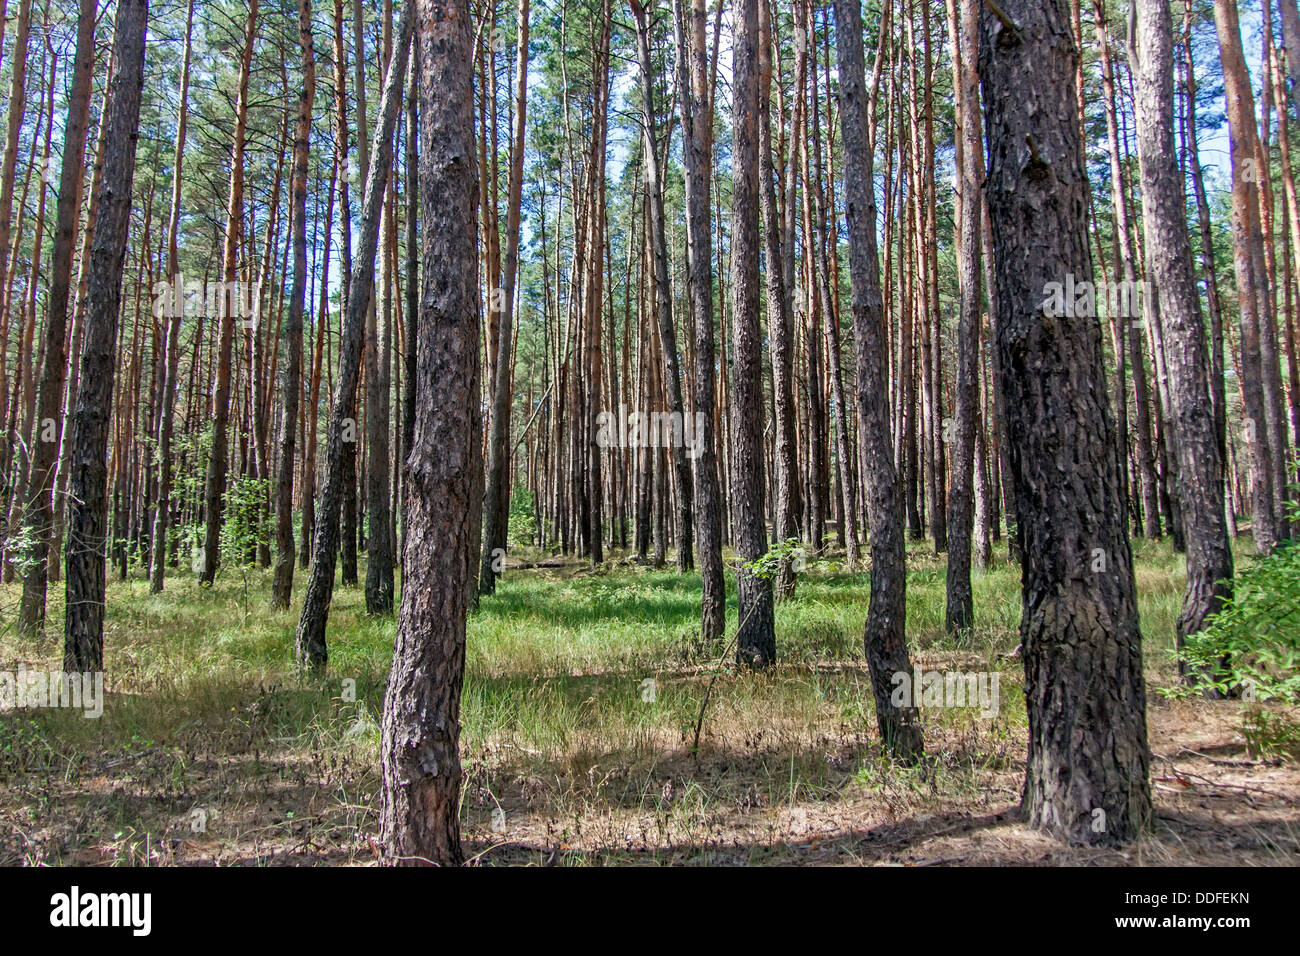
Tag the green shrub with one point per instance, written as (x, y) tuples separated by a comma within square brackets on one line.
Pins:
[(1253, 643), (1251, 648)]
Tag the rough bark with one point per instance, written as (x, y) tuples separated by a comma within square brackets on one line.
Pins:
[(420, 806), (1087, 774), (83, 648)]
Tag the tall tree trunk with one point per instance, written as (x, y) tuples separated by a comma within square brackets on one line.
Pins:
[(308, 493), (1252, 284), (83, 649), (1269, 343), (884, 635), (496, 497), (285, 552), (756, 635), (420, 799), (960, 610), (1209, 556), (1129, 330), (24, 406), (16, 108), (172, 345), (683, 490), (1218, 400), (215, 487), (780, 321), (592, 291), (39, 512), (1291, 245), (412, 266), (696, 109), (310, 640), (1087, 775), (348, 462), (824, 254), (342, 166), (379, 540)]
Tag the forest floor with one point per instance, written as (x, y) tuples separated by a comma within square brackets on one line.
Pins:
[(582, 694)]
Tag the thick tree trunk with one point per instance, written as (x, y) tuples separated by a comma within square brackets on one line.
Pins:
[(420, 805), (1087, 776)]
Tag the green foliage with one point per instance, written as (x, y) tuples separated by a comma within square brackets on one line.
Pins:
[(1253, 643), (767, 566), (523, 519), (244, 527), (1251, 647), (20, 545)]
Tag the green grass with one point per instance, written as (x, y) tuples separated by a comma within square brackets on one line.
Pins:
[(547, 655), (555, 695)]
